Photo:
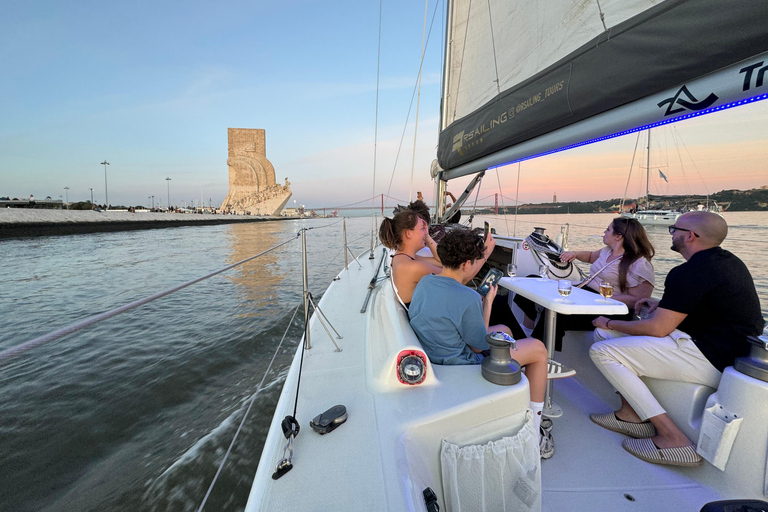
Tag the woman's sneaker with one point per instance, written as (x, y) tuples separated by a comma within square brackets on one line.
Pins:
[(557, 370), (546, 444), (546, 424)]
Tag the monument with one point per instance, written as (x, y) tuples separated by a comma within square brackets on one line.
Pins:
[(252, 186)]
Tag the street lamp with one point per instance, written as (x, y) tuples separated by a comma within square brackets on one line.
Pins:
[(91, 197), (66, 191), (153, 202), (106, 193), (168, 181)]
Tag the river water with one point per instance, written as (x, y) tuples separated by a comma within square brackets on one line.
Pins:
[(136, 413)]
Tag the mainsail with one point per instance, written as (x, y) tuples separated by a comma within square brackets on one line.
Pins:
[(563, 72)]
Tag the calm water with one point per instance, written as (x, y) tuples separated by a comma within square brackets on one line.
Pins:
[(136, 413)]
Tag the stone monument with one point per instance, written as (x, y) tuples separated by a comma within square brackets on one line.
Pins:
[(252, 186)]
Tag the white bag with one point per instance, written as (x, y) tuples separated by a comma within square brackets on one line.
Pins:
[(503, 475), (719, 427)]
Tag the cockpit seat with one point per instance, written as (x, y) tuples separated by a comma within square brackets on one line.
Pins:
[(683, 401)]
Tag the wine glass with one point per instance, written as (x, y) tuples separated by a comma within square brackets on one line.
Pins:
[(543, 271), (511, 270), (606, 290), (564, 288)]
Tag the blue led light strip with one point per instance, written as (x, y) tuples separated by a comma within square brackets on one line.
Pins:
[(639, 128)]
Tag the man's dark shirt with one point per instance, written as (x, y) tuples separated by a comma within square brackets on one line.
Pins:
[(716, 291)]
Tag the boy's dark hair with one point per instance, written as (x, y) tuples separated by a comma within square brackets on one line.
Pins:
[(421, 209), (458, 246)]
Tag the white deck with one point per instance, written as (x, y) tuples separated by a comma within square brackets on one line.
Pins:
[(388, 450)]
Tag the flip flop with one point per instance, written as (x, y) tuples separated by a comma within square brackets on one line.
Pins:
[(611, 422), (646, 449)]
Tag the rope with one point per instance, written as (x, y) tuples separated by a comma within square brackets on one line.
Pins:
[(248, 410), (19, 349)]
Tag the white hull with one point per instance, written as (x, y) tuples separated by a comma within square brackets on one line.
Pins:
[(654, 217)]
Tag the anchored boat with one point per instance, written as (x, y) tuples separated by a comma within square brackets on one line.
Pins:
[(371, 424)]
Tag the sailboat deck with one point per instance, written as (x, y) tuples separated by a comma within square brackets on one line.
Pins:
[(591, 471), (388, 450)]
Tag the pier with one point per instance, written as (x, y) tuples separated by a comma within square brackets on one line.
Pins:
[(25, 222)]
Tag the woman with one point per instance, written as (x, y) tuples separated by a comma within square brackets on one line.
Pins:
[(406, 234), (624, 262)]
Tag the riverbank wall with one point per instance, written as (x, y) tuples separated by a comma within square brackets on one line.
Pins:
[(23, 222)]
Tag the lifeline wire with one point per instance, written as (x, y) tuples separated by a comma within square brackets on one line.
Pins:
[(18, 349), (245, 416)]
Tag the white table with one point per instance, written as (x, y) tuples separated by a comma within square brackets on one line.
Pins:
[(579, 302)]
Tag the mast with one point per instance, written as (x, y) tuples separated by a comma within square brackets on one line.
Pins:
[(648, 171)]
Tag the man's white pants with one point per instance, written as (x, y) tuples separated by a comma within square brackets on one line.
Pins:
[(623, 359)]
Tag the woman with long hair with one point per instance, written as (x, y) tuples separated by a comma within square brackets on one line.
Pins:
[(624, 261), (406, 233)]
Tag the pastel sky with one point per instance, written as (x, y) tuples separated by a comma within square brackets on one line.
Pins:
[(153, 86)]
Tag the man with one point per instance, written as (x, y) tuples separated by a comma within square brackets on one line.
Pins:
[(709, 308), (451, 320), (456, 218)]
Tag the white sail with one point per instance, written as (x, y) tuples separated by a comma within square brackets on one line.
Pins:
[(527, 39), (520, 72)]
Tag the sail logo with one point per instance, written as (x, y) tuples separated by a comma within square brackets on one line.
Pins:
[(687, 102), (749, 71), (458, 141)]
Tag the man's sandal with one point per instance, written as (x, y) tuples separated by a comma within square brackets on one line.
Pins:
[(647, 450), (611, 422)]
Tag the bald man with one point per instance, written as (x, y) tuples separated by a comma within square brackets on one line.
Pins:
[(709, 308)]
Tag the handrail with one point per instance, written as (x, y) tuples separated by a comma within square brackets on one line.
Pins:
[(46, 338)]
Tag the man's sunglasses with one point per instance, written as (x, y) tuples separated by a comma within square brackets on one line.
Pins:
[(672, 230)]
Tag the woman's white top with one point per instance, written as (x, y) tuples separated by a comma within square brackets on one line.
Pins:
[(639, 271)]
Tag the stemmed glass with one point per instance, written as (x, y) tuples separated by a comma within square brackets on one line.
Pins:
[(564, 289), (543, 271), (511, 270), (606, 290)]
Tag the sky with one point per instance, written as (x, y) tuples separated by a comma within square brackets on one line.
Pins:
[(151, 87)]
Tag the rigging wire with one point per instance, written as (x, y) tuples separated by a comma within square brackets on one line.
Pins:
[(376, 125), (322, 272), (498, 180), (52, 336), (676, 137), (326, 226), (410, 106), (631, 165), (495, 60), (418, 101), (517, 196), (461, 62), (248, 410), (602, 15)]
